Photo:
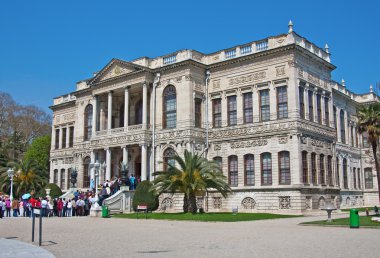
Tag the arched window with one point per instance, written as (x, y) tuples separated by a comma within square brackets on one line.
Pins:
[(55, 176), (233, 170), (138, 112), (86, 172), (249, 169), (322, 169), (368, 178), (329, 171), (266, 168), (305, 168), (63, 177), (345, 181), (169, 107), (313, 168), (88, 122), (342, 127), (284, 167), (169, 153)]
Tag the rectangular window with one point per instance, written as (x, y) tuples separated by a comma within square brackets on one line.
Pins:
[(337, 172), (217, 112), (71, 136), (359, 180), (266, 169), (55, 180), (302, 103), (311, 106), (64, 131), (264, 105), (233, 170), (368, 178), (352, 136), (345, 178), (335, 120), (248, 108), (198, 112), (232, 116), (56, 139), (282, 102), (365, 140), (313, 168), (322, 169), (354, 176), (319, 109), (249, 170), (327, 112), (356, 137), (305, 169), (63, 177), (284, 167), (329, 170)]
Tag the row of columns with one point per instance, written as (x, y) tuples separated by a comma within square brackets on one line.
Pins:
[(126, 108), (108, 161), (350, 136), (318, 180), (350, 177), (60, 131), (314, 99)]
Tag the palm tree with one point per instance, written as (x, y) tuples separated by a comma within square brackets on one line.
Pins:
[(369, 122), (27, 178), (193, 175)]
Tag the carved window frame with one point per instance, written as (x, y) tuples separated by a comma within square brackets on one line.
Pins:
[(169, 117)]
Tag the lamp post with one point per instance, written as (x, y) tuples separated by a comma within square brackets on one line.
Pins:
[(11, 173)]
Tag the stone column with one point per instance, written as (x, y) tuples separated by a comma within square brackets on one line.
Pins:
[(145, 104), (126, 106), (144, 153), (60, 137), (102, 116), (239, 108), (67, 136), (323, 109), (315, 105), (339, 136), (355, 143), (331, 106), (52, 147), (92, 171), (94, 114), (346, 127), (108, 162), (109, 115), (306, 101)]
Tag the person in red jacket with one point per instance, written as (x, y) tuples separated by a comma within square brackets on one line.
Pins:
[(60, 207)]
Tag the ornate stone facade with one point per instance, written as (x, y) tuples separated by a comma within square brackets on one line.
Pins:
[(284, 133)]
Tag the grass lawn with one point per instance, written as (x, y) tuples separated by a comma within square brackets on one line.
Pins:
[(212, 217), (364, 221)]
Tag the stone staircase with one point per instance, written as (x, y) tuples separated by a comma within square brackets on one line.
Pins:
[(120, 202)]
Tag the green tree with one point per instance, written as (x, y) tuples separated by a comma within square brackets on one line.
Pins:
[(369, 122), (193, 175), (27, 178), (145, 195), (39, 152)]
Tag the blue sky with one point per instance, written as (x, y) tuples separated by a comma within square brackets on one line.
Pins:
[(47, 46)]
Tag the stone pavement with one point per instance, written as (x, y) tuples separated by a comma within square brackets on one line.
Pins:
[(98, 237), (11, 248)]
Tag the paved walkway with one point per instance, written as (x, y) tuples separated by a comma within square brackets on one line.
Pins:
[(11, 248), (97, 237)]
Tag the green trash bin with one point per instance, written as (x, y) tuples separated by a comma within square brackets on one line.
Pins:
[(354, 218), (104, 211)]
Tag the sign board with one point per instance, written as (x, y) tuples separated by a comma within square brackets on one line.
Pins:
[(37, 211), (142, 207)]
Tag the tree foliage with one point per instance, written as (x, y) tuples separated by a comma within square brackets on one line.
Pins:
[(39, 152), (369, 122), (19, 126), (145, 195), (194, 175)]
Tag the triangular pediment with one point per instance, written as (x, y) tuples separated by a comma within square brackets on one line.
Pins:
[(115, 68)]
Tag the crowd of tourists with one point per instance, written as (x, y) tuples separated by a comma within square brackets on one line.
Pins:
[(78, 205)]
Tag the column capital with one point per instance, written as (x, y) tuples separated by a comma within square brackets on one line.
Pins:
[(145, 84), (110, 92), (128, 87)]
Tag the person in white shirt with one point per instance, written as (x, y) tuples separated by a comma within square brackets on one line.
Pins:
[(69, 209), (44, 205)]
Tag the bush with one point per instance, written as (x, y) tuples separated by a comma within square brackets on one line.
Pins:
[(143, 195), (55, 191)]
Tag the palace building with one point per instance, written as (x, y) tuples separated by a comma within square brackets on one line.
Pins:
[(284, 133)]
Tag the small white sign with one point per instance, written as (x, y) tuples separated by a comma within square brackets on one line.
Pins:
[(37, 211)]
